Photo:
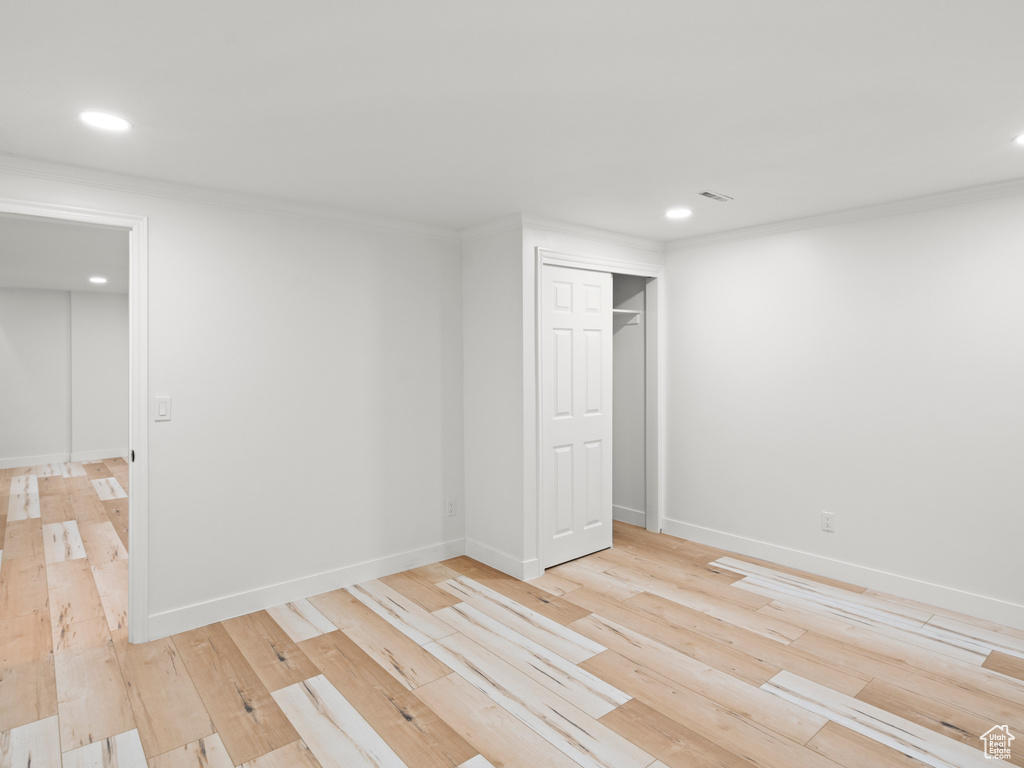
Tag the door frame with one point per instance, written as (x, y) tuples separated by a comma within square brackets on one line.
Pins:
[(138, 388), (653, 322)]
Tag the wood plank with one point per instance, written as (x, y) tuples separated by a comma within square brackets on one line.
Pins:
[(694, 567), (912, 655), (547, 605), (294, 755), (984, 693), (51, 485), (108, 489), (943, 717), (839, 743), (751, 741), (300, 620), (112, 584), (844, 620), (22, 586), (102, 544), (745, 700), (403, 614), (551, 634), (591, 695), (274, 657), (497, 734), (121, 751), (33, 744), (24, 485), (55, 509), (28, 687), (681, 578), (1005, 664), (434, 572), (995, 639), (207, 752), (61, 541), (245, 715), (754, 645), (569, 729), (23, 506), (553, 584), (168, 710), (740, 665), (72, 597), (877, 724), (117, 513), (24, 539), (416, 734), (711, 605), (855, 588), (89, 511), (96, 469), (786, 583), (671, 742), (72, 469), (420, 590), (335, 732), (939, 615), (92, 703), (402, 658), (597, 581), (682, 549)]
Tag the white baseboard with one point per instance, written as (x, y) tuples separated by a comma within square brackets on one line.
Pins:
[(100, 454), (201, 614), (938, 595), (33, 461), (504, 562), (631, 516)]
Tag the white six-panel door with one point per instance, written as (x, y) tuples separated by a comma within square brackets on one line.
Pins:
[(576, 413)]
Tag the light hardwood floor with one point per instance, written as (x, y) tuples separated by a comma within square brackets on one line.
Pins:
[(658, 652)]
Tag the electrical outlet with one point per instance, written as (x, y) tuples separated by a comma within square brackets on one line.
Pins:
[(828, 521), (450, 508)]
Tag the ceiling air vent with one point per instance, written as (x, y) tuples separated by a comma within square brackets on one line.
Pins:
[(714, 196)]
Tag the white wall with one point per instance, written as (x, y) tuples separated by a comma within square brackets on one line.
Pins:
[(629, 391), (35, 358), (493, 341), (315, 367), (870, 369), (99, 375), (64, 368)]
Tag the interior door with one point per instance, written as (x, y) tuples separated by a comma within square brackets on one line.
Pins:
[(576, 413)]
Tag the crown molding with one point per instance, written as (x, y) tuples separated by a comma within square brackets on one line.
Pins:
[(1008, 188), (591, 233), (513, 223), (167, 190)]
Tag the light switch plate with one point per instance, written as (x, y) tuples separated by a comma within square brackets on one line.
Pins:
[(162, 409)]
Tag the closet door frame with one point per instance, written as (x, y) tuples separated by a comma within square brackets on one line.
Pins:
[(654, 459)]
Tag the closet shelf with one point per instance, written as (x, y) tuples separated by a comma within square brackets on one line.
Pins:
[(631, 316)]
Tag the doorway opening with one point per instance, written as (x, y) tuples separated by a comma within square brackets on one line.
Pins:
[(77, 350)]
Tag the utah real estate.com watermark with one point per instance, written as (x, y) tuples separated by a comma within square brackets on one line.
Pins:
[(997, 742)]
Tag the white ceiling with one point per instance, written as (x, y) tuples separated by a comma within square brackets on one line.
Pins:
[(599, 112), (56, 255)]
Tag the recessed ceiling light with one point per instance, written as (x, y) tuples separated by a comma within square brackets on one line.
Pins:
[(678, 213), (98, 280), (1019, 140), (105, 121)]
